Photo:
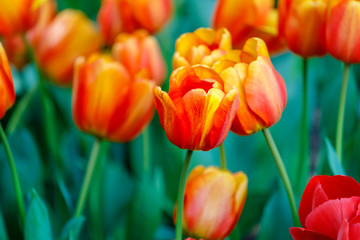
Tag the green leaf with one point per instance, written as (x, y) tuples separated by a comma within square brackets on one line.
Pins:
[(3, 234), (72, 228), (37, 223), (333, 160)]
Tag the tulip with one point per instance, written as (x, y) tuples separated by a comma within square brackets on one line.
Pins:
[(246, 19), (70, 35), (213, 202), (343, 30), (262, 91), (117, 16), (204, 46), (141, 55), (7, 96), (329, 209), (17, 16), (301, 25), (197, 113), (107, 102)]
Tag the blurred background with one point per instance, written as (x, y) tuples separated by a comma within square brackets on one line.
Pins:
[(125, 203)]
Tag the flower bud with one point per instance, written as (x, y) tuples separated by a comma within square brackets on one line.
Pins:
[(107, 102), (213, 202)]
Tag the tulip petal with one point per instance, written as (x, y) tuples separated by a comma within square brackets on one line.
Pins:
[(343, 232), (7, 91), (265, 91), (253, 48), (306, 234)]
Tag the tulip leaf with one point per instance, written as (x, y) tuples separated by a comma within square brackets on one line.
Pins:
[(37, 223), (333, 160), (3, 233), (72, 228)]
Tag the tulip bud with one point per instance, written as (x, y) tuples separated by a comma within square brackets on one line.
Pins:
[(70, 35), (204, 46), (7, 97), (107, 102), (117, 16), (301, 25), (17, 16), (262, 91), (141, 55), (197, 113), (246, 19), (343, 30), (213, 202)]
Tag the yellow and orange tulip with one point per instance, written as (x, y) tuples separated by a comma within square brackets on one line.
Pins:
[(107, 102), (203, 46), (117, 16), (7, 91), (141, 55), (262, 91), (197, 113), (343, 30), (301, 25), (70, 35), (213, 202), (251, 18), (18, 16)]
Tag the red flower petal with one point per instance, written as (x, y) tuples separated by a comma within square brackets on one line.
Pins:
[(305, 234)]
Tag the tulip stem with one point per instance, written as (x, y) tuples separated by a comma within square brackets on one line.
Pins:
[(340, 121), (222, 157), (181, 192), (94, 156), (146, 152), (20, 109), (283, 174), (17, 186)]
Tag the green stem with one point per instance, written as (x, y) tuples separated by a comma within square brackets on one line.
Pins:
[(88, 176), (283, 174), (20, 109), (19, 195), (340, 121), (180, 198), (146, 149), (222, 157)]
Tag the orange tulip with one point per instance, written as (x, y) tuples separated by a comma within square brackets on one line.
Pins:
[(141, 55), (262, 91), (343, 30), (117, 16), (301, 25), (213, 202), (107, 102), (7, 92), (17, 16), (197, 113), (204, 46), (70, 35), (246, 19)]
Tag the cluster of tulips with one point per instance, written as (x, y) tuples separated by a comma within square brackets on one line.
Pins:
[(222, 80)]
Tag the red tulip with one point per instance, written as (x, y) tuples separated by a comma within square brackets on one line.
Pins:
[(107, 102), (197, 113), (7, 92), (213, 202), (329, 209), (343, 30)]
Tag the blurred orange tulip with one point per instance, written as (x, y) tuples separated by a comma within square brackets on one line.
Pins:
[(14, 44), (7, 96), (70, 35), (197, 113), (343, 30), (262, 91), (107, 102), (301, 25), (17, 16), (203, 46), (141, 55), (251, 18), (117, 16), (213, 202)]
